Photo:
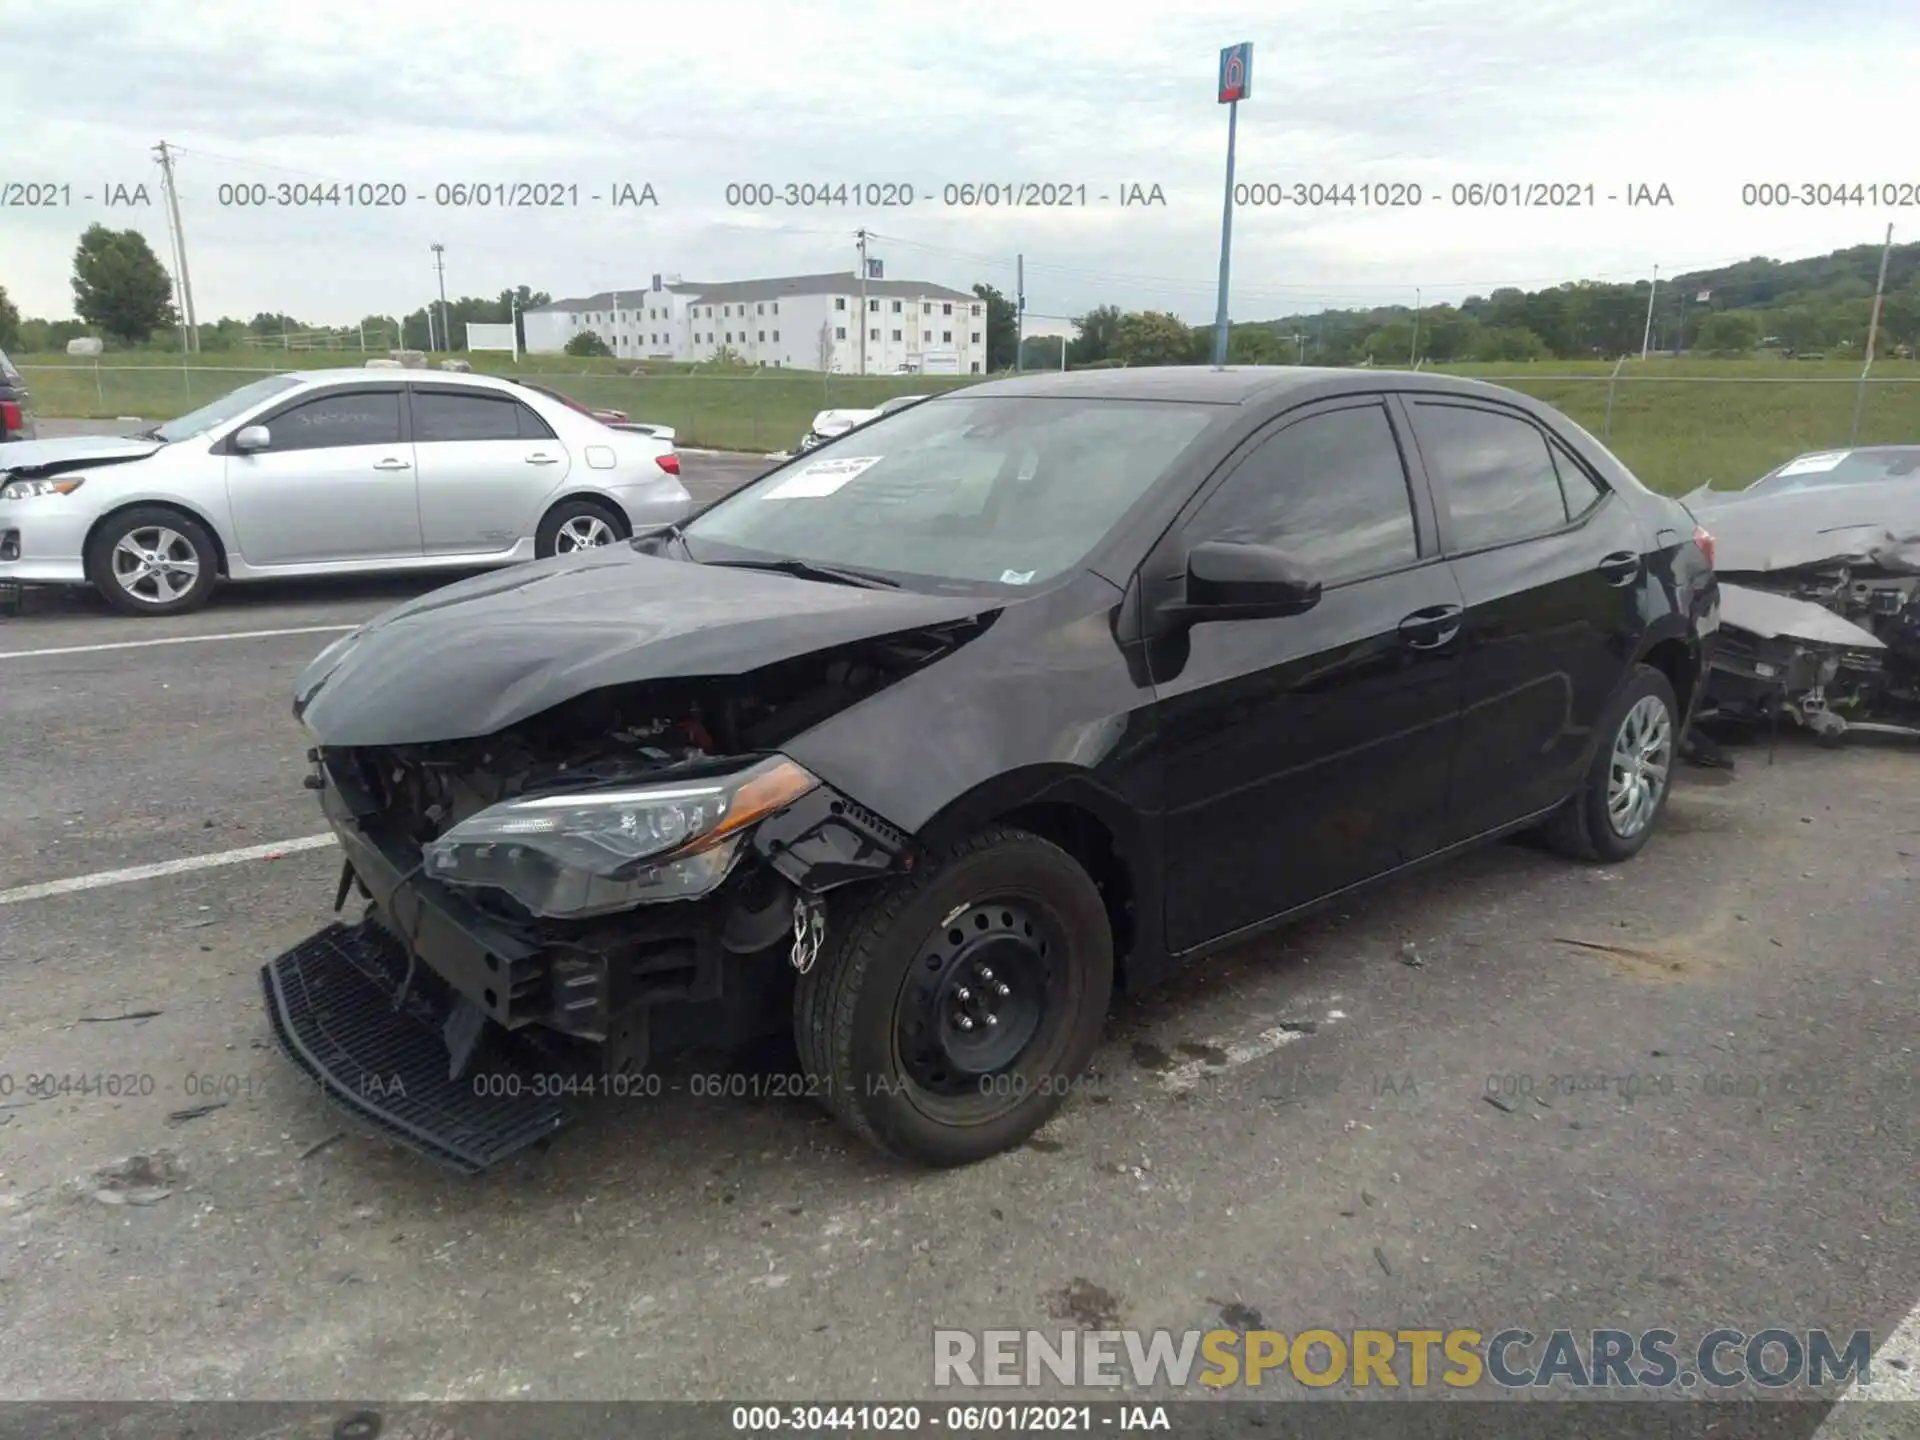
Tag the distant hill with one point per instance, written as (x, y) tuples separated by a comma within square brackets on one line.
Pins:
[(1817, 305)]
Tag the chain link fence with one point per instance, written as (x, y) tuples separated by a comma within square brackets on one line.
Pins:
[(1676, 431)]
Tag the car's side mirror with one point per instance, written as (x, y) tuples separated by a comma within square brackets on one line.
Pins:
[(1231, 581), (253, 437)]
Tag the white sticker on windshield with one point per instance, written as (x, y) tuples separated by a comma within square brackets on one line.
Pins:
[(1015, 577), (1814, 464), (822, 477)]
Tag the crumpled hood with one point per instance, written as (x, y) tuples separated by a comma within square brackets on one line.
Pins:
[(25, 455), (1874, 524), (485, 653)]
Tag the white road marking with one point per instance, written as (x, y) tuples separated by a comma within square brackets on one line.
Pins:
[(1887, 1383), (176, 640), (1184, 1077), (181, 866)]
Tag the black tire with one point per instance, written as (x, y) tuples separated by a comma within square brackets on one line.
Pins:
[(1581, 829), (546, 540), (190, 540), (1005, 893)]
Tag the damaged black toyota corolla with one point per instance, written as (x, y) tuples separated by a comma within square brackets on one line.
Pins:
[(925, 741)]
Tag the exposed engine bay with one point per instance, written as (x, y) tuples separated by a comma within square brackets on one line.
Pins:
[(1820, 610)]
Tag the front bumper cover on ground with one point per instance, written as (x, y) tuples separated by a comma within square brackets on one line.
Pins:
[(343, 1013)]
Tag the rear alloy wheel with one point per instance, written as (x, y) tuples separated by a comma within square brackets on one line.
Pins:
[(1620, 799), (577, 525), (950, 1013), (153, 561)]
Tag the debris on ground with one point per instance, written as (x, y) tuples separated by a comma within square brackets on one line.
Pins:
[(135, 1180)]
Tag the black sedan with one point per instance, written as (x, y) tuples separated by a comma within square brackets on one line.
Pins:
[(924, 742)]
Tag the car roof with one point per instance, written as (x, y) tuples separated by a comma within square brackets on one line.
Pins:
[(354, 375), (1222, 385)]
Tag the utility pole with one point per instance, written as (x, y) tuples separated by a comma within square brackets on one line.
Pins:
[(1019, 312), (861, 236), (1299, 355), (165, 157), (1873, 333), (1413, 346), (440, 264), (1646, 336)]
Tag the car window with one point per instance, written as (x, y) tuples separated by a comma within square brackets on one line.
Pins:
[(1494, 471), (357, 418), (470, 415), (1838, 467), (1330, 490), (1577, 487), (975, 490)]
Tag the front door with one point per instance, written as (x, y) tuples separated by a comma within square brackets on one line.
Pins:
[(336, 483), (1549, 562), (1305, 754), (487, 467)]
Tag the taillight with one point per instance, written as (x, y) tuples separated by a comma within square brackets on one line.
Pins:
[(10, 415), (669, 462), (1703, 538)]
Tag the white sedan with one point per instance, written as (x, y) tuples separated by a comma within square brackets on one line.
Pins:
[(328, 472)]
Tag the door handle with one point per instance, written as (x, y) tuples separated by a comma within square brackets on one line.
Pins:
[(1620, 568), (1430, 628), (392, 465), (542, 460)]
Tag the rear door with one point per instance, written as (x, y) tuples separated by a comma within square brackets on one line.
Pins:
[(1550, 564), (335, 484), (1305, 754), (487, 465)]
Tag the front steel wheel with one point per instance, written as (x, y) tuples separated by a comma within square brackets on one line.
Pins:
[(952, 1011)]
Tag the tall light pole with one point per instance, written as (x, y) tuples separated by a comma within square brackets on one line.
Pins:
[(1236, 83), (440, 264), (1413, 346), (861, 237), (1873, 333)]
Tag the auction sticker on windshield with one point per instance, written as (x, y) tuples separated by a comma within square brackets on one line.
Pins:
[(1814, 464), (822, 477)]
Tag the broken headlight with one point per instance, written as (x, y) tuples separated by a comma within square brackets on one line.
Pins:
[(589, 852)]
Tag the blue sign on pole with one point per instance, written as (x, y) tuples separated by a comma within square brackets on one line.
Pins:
[(1236, 72)]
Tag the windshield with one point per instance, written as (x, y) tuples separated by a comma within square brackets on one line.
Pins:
[(7, 372), (218, 412), (1838, 467), (982, 490)]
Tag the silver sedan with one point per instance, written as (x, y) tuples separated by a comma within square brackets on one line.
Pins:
[(329, 472)]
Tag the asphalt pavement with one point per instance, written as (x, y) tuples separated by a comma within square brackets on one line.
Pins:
[(1511, 1091)]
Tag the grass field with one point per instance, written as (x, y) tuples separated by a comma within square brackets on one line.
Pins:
[(1678, 423)]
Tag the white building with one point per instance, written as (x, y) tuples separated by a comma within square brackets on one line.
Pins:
[(643, 324), (800, 322)]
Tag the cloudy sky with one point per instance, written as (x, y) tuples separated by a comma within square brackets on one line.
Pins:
[(1702, 96)]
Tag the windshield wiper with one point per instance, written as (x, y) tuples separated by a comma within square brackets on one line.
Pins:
[(152, 432), (807, 570)]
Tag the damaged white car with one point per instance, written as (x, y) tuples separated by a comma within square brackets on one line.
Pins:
[(1819, 595)]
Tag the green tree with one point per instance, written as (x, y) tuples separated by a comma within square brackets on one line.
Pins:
[(1003, 328), (1391, 344), (1253, 345), (1152, 337), (1800, 328), (119, 285), (1729, 332), (9, 321), (725, 358), (1509, 342), (588, 343), (1095, 334)]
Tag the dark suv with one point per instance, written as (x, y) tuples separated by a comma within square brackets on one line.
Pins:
[(1041, 688), (16, 422)]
